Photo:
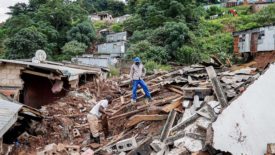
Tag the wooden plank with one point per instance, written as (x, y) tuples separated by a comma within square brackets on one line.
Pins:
[(122, 100), (177, 102), (175, 90), (217, 86), (127, 104), (145, 107), (139, 118), (49, 76), (168, 125)]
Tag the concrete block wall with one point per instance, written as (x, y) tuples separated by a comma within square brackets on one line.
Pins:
[(10, 75)]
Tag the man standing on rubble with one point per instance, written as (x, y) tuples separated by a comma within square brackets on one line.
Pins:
[(137, 72), (95, 114)]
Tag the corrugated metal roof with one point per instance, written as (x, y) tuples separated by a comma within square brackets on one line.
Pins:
[(66, 71), (8, 115)]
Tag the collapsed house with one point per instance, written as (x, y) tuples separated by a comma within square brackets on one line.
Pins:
[(247, 125), (37, 84)]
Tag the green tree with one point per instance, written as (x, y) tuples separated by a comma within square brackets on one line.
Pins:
[(147, 51), (24, 43), (16, 23), (35, 4), (18, 8), (72, 49), (117, 8), (62, 16), (83, 33)]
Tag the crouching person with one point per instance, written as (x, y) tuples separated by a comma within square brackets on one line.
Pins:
[(95, 114)]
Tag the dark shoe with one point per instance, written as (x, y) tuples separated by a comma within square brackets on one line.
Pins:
[(97, 139), (92, 139)]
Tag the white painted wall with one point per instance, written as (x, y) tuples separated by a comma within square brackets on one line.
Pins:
[(266, 44), (248, 124), (245, 46), (268, 40)]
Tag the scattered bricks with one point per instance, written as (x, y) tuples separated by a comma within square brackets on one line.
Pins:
[(126, 145), (72, 149), (157, 145), (76, 133)]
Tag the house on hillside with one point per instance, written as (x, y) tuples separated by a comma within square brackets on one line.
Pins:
[(258, 4), (115, 49), (108, 54), (114, 37), (102, 16), (121, 19), (250, 41)]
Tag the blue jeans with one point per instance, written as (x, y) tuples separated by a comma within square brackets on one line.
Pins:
[(143, 86)]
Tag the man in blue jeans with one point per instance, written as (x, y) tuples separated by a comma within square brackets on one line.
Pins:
[(136, 74)]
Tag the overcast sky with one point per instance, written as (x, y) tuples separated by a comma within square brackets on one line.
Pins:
[(4, 4)]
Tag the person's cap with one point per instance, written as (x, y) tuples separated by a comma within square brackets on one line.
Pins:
[(108, 97), (136, 59)]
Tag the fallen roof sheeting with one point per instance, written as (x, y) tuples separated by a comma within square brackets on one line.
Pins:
[(247, 125), (8, 115)]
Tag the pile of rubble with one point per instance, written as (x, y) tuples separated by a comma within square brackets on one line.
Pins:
[(189, 99), (177, 121)]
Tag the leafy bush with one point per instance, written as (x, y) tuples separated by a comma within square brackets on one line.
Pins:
[(147, 51), (83, 33), (99, 25), (117, 28), (72, 49), (114, 72), (151, 66)]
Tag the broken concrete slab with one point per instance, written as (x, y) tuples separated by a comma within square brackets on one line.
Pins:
[(190, 144), (168, 125), (203, 123), (186, 122), (237, 128), (157, 145), (219, 92)]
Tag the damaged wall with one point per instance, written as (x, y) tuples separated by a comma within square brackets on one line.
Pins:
[(247, 125), (10, 75), (10, 81)]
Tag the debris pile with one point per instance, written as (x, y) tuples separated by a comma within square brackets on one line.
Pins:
[(185, 103)]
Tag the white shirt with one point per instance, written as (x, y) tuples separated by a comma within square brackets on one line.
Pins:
[(137, 72), (95, 109)]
